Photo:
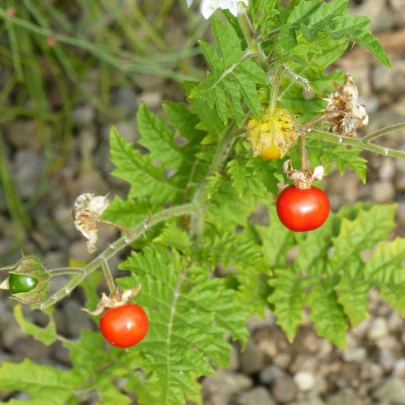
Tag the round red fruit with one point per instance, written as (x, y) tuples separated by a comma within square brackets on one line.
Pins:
[(124, 326), (303, 210)]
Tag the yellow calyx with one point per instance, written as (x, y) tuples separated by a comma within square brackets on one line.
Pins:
[(273, 136)]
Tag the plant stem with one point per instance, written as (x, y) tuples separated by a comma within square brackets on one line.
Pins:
[(382, 132), (309, 124), (253, 45), (65, 270), (303, 152), (118, 245), (274, 90), (113, 224), (355, 142), (108, 276), (200, 196)]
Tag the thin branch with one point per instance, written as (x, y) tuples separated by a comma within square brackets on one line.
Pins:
[(382, 132), (275, 89), (65, 270), (113, 224), (108, 276), (117, 246), (354, 142), (200, 196), (303, 152), (254, 46)]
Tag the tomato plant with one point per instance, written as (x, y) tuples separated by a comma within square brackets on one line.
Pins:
[(124, 326), (303, 210), (19, 283), (193, 183)]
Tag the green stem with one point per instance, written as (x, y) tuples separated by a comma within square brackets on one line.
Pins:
[(200, 196), (382, 132), (108, 276), (354, 142), (303, 152), (65, 270), (114, 225), (253, 45), (274, 90), (117, 246)]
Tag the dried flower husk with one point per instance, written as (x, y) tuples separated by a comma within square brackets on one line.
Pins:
[(303, 179), (277, 130), (87, 211), (114, 301), (347, 115)]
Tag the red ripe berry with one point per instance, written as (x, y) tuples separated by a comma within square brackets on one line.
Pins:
[(302, 210), (124, 326)]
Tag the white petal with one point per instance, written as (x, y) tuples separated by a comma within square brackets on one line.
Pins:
[(233, 8), (91, 243), (208, 7), (319, 172), (189, 2), (98, 204)]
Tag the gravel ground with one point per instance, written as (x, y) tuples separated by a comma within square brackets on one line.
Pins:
[(270, 371)]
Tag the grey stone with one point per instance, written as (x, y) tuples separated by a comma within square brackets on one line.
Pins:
[(344, 398), (391, 390), (32, 349), (128, 130), (55, 259), (378, 328), (383, 191), (90, 182), (124, 102), (355, 355), (11, 331), (83, 115), (304, 380), (78, 251), (399, 368), (76, 319), (382, 18), (398, 7), (282, 360), (22, 396), (389, 342), (87, 143), (284, 390), (390, 80), (218, 389), (370, 371), (309, 399), (251, 358), (386, 359), (270, 374), (395, 322), (387, 169), (29, 168), (256, 396), (61, 354), (234, 362), (23, 134), (152, 99)]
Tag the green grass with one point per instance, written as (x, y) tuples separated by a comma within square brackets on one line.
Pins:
[(120, 40)]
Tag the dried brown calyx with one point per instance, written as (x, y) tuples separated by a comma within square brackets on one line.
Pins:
[(346, 114), (116, 300), (303, 179), (87, 211)]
